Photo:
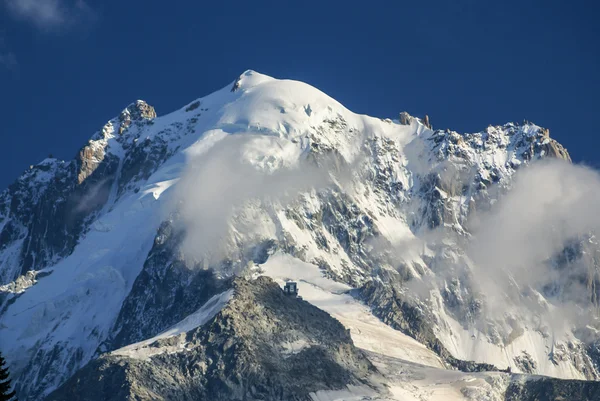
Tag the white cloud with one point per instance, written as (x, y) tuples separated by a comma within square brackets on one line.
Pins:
[(50, 14), (221, 183), (551, 204)]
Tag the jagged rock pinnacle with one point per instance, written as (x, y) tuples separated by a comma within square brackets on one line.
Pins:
[(138, 111), (405, 118), (426, 122)]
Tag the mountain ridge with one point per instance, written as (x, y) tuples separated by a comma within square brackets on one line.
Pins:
[(389, 201)]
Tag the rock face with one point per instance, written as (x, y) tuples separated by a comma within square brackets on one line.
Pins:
[(137, 112), (261, 345), (463, 166), (44, 213), (405, 118), (165, 292), (544, 388), (394, 310), (426, 122)]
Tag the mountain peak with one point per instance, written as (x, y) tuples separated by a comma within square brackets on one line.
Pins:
[(149, 202), (138, 110), (248, 79)]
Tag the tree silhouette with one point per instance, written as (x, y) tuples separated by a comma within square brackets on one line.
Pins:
[(5, 393)]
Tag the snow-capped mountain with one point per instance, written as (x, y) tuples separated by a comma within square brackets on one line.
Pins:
[(142, 254)]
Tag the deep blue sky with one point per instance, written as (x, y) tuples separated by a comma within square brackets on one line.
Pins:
[(66, 70)]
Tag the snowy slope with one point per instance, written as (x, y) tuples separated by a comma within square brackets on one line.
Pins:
[(241, 162), (196, 319), (368, 332)]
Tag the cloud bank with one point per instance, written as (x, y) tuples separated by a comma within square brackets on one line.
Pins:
[(50, 15), (520, 243), (223, 187)]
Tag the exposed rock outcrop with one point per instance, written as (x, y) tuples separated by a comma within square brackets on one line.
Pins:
[(261, 345), (426, 122), (44, 212), (47, 208), (546, 388), (388, 304), (405, 118), (139, 111), (165, 292)]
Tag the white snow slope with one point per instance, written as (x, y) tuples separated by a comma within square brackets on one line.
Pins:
[(141, 350)]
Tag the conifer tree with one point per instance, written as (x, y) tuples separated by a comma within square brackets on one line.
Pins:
[(5, 386)]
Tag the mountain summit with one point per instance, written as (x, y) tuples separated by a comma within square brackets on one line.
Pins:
[(139, 266)]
